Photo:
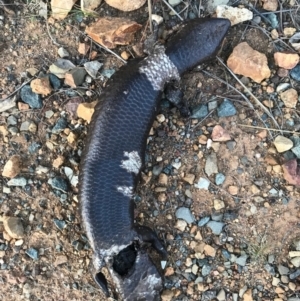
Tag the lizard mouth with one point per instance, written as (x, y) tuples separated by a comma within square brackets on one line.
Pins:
[(124, 260)]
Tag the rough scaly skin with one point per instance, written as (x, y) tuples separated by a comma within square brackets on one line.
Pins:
[(115, 150)]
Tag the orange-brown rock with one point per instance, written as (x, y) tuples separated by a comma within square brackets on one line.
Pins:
[(219, 134), (86, 110), (262, 134), (270, 5), (271, 160), (246, 61), (23, 106), (83, 48), (12, 167), (286, 60), (111, 32), (41, 86), (290, 98)]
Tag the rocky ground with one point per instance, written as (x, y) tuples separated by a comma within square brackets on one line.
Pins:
[(220, 188)]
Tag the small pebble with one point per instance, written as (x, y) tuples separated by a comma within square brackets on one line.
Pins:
[(59, 184), (19, 181), (32, 253), (220, 178), (202, 184), (203, 221), (295, 73), (27, 96), (216, 227), (185, 214), (226, 109)]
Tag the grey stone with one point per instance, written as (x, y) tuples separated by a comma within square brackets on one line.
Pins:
[(108, 72), (211, 164), (295, 274), (174, 2), (220, 178), (13, 226), (185, 214), (62, 52), (203, 221), (283, 270), (34, 147), (78, 246), (32, 253), (157, 169), (296, 262), (205, 270), (199, 111), (60, 125), (216, 227), (282, 87), (59, 184), (241, 260), (11, 120), (61, 67), (212, 5), (208, 295), (271, 258), (226, 254), (32, 99), (212, 105), (273, 19), (295, 73), (18, 181), (75, 77), (297, 245), (60, 224), (231, 145), (226, 109), (269, 269), (221, 295), (55, 82), (7, 104), (296, 151), (202, 184), (92, 68), (28, 125), (217, 217)]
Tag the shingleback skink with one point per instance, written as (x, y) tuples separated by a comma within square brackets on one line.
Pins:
[(114, 155)]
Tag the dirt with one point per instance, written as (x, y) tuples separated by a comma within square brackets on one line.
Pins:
[(62, 272)]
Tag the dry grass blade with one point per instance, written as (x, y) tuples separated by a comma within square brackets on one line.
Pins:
[(250, 93), (270, 129), (172, 9), (110, 51)]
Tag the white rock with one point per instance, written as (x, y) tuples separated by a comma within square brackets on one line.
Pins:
[(202, 184), (296, 262), (283, 144), (234, 14), (158, 19), (174, 2)]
